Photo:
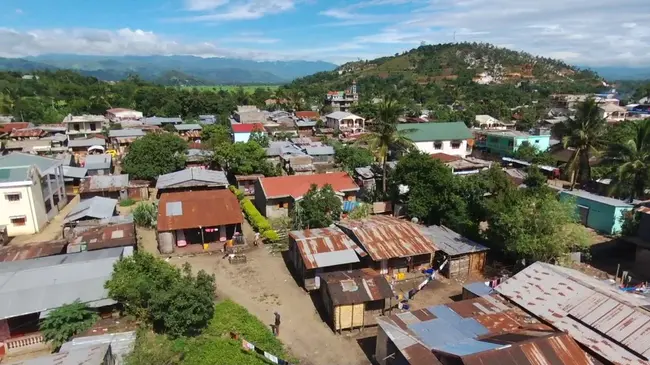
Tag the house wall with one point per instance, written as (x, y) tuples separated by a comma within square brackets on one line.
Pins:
[(241, 136), (278, 208), (464, 266), (601, 217), (31, 205), (323, 159), (542, 143), (102, 172), (429, 148), (84, 128)]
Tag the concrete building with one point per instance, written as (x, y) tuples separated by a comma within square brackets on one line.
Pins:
[(242, 132), (345, 122), (613, 113), (249, 114), (598, 212), (452, 138), (505, 143), (32, 191), (485, 121), (120, 114), (84, 126), (342, 101)]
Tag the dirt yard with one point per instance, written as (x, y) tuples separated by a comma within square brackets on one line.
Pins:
[(52, 231)]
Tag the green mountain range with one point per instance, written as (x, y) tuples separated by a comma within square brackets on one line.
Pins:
[(173, 70)]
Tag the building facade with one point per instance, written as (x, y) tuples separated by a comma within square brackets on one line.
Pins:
[(342, 101), (453, 138), (598, 212), (83, 126), (505, 143), (345, 122)]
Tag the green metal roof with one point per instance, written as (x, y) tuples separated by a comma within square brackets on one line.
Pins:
[(14, 174), (424, 132), (17, 159)]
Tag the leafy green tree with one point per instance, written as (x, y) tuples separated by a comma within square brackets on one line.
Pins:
[(536, 227), (244, 159), (145, 215), (350, 157), (318, 208), (631, 162), (173, 301), (68, 320), (383, 134), (215, 134), (154, 349), (535, 179), (154, 155), (260, 137), (585, 137)]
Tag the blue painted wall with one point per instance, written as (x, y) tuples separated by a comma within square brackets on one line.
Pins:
[(541, 142), (602, 217), (241, 137)]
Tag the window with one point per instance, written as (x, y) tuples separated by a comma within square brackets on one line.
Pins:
[(455, 145), (537, 141), (12, 197), (76, 127), (93, 127), (511, 143), (18, 221), (437, 145)]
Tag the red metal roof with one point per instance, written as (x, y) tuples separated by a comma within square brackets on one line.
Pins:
[(32, 250), (445, 157), (9, 127), (27, 132), (247, 127), (307, 114), (204, 208), (117, 235), (385, 237), (297, 185), (311, 242)]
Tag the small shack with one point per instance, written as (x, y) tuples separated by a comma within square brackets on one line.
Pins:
[(353, 299), (94, 208), (98, 164), (316, 251), (191, 179), (598, 212), (197, 217), (103, 237), (114, 186), (466, 257)]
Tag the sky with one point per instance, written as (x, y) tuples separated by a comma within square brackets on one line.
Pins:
[(583, 32)]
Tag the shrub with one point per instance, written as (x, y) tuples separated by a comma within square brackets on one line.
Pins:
[(145, 215), (258, 221), (238, 193), (127, 202), (66, 321)]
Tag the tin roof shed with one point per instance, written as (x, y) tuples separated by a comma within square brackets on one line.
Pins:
[(324, 247), (356, 286)]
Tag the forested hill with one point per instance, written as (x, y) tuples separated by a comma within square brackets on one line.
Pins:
[(463, 74)]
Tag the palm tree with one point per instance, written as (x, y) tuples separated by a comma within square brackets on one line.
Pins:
[(584, 136), (632, 162), (383, 134)]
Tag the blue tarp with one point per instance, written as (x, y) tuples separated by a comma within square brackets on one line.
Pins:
[(348, 206)]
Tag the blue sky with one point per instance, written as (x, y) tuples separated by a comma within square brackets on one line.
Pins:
[(587, 32)]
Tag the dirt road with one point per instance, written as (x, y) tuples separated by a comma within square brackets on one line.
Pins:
[(264, 285)]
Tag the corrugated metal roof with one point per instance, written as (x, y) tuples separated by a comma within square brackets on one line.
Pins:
[(297, 185), (121, 343), (104, 236), (27, 132), (319, 150), (474, 331), (596, 314), (204, 208), (385, 237), (32, 250), (451, 242), (98, 162), (36, 285), (597, 198), (129, 132), (74, 172), (325, 247), (478, 288), (356, 286), (88, 355), (17, 159), (188, 127), (104, 183), (86, 142), (193, 176), (96, 207), (17, 174)]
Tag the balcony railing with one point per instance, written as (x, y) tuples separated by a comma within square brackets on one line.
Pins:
[(24, 342)]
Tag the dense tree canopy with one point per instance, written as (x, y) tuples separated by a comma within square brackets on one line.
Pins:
[(318, 208), (154, 155), (244, 159), (66, 321)]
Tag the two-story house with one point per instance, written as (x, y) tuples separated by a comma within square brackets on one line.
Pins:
[(83, 126), (342, 101), (452, 138), (345, 122), (505, 143), (32, 191)]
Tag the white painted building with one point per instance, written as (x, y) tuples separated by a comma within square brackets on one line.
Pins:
[(32, 192), (345, 122), (83, 126), (453, 138), (613, 113), (119, 114)]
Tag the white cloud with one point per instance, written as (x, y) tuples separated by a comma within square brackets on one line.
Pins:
[(226, 10), (592, 32), (19, 11)]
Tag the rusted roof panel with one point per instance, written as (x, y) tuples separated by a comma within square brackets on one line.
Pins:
[(203, 208), (356, 286), (586, 308), (385, 237), (117, 235), (27, 132), (32, 250), (314, 243)]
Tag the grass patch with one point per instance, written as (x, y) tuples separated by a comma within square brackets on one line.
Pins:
[(214, 345), (247, 88), (127, 202)]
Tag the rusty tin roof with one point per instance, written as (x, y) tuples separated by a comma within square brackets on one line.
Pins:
[(27, 132), (32, 250), (194, 209), (610, 322), (324, 247), (116, 235), (356, 286), (385, 237)]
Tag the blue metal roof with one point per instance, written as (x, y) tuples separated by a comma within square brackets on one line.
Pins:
[(348, 206), (478, 288)]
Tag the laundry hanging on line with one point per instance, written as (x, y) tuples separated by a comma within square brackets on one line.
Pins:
[(248, 346)]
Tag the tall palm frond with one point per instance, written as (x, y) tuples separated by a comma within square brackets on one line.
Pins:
[(631, 162)]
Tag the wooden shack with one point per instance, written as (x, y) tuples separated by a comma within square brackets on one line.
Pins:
[(466, 258), (353, 299)]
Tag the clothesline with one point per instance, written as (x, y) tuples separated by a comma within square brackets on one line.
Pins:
[(248, 346)]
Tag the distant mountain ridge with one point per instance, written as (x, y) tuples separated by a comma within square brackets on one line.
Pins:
[(623, 73), (173, 70)]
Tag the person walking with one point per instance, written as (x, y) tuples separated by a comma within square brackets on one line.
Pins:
[(257, 238), (276, 328)]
